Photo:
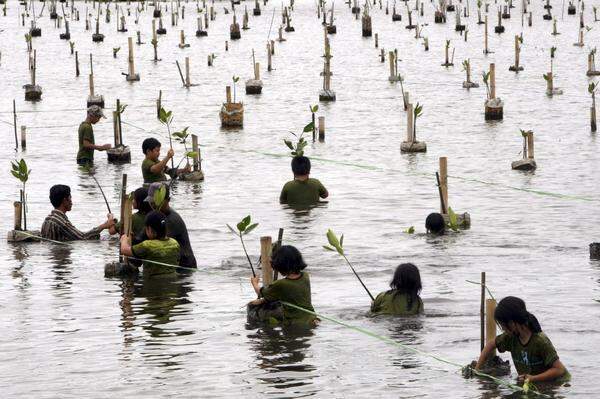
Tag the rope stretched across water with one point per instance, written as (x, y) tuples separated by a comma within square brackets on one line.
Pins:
[(361, 330)]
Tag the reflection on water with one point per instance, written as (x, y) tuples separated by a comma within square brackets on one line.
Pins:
[(60, 258), (282, 354)]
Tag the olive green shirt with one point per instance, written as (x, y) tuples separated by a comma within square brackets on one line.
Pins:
[(533, 358), (85, 133), (149, 176), (296, 292), (302, 193), (138, 220), (389, 303), (162, 251)]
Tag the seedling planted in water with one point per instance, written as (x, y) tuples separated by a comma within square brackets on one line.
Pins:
[(298, 149), (244, 227), (22, 172)]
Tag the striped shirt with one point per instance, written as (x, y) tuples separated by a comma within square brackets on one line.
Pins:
[(57, 227)]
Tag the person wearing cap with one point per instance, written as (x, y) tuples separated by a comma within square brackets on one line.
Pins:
[(87, 145), (176, 227)]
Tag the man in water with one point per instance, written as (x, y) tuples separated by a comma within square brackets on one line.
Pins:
[(176, 227), (85, 155), (57, 226)]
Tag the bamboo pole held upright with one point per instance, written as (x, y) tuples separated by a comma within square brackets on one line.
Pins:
[(265, 260), (490, 324)]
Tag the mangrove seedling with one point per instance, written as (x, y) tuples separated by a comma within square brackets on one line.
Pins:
[(115, 51), (592, 87), (244, 227), (235, 80), (182, 137), (486, 81), (337, 245), (452, 220), (298, 149), (313, 111), (410, 230), (22, 172), (72, 46), (165, 117), (552, 55), (524, 134), (417, 111)]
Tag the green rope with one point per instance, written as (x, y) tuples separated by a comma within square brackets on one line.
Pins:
[(485, 286), (415, 350)]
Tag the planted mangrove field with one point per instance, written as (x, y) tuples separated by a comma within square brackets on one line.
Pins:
[(156, 156)]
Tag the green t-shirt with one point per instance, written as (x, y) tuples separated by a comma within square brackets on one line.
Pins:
[(533, 358), (296, 292), (163, 251), (150, 177), (389, 303), (85, 133), (138, 223), (302, 193)]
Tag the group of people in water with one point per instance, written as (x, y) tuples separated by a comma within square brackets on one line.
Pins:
[(160, 242)]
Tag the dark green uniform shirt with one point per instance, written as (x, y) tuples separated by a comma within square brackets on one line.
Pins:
[(533, 358), (150, 177), (85, 133), (302, 193), (296, 292), (163, 251), (389, 303), (138, 223)]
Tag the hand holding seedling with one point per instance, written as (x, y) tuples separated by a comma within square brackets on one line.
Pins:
[(105, 147), (170, 153)]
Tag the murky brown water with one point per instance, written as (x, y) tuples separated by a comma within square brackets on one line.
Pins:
[(67, 329)]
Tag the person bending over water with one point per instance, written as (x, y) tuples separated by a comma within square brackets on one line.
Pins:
[(303, 190), (294, 288), (532, 352), (143, 208), (157, 251), (435, 224), (403, 299), (57, 225)]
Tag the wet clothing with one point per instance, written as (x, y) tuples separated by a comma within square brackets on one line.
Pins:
[(84, 155), (138, 223), (533, 358), (177, 229), (302, 193), (164, 251), (57, 227), (149, 176), (392, 303), (296, 292)]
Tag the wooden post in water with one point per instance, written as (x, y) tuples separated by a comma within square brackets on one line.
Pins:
[(409, 123), (76, 63), (482, 313), (321, 128), (228, 94), (197, 165), (131, 76), (490, 325), (265, 260), (444, 183), (15, 124), (486, 49), (18, 214), (23, 137)]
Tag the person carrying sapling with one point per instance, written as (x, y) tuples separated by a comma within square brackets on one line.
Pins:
[(153, 169), (293, 289), (532, 352)]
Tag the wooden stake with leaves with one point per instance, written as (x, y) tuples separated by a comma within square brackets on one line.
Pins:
[(22, 172), (337, 245)]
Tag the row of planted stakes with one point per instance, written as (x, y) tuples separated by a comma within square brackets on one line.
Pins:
[(232, 112)]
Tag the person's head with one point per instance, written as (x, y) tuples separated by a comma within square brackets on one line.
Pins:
[(152, 189), (407, 280), (94, 113), (151, 148), (512, 315), (156, 225), (60, 197), (288, 260), (435, 223), (139, 200), (301, 166)]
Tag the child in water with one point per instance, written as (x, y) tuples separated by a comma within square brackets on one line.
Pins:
[(157, 248), (403, 299), (294, 288), (303, 190), (532, 352)]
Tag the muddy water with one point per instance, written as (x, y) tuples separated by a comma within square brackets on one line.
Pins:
[(68, 330)]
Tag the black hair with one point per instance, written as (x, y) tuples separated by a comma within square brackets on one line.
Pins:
[(140, 199), (513, 309), (435, 223), (158, 223), (301, 165), (150, 144), (58, 193), (407, 280), (287, 260)]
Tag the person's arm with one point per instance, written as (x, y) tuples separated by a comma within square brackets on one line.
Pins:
[(556, 371), (323, 193), (255, 284), (160, 166), (74, 233), (126, 246), (89, 146), (485, 353), (283, 196)]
